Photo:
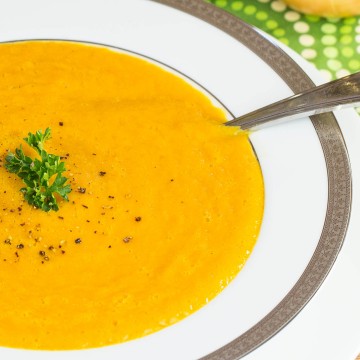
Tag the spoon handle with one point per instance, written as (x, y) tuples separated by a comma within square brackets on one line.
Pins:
[(334, 95)]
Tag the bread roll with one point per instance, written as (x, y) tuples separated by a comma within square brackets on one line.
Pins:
[(328, 8)]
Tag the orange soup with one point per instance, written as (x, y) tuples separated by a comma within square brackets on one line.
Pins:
[(165, 208)]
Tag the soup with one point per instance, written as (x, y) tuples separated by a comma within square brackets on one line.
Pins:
[(165, 208)]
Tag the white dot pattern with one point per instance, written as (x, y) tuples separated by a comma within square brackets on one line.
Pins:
[(292, 16), (342, 73), (301, 27), (306, 40), (278, 6), (331, 44), (309, 54)]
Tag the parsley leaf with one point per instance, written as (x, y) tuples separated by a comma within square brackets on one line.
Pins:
[(38, 174)]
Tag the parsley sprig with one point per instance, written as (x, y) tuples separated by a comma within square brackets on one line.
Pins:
[(42, 177)]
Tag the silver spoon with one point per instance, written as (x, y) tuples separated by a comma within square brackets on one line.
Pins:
[(334, 95)]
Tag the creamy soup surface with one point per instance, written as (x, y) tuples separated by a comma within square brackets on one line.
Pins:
[(165, 208)]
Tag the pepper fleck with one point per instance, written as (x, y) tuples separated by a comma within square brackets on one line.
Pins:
[(42, 253), (127, 239), (7, 241), (138, 218), (78, 241), (84, 206), (81, 190), (20, 246), (102, 173), (61, 217), (61, 123)]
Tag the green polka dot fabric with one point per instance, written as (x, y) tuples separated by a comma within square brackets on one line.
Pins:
[(331, 44)]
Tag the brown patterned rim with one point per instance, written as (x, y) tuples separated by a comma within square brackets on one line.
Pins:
[(339, 180)]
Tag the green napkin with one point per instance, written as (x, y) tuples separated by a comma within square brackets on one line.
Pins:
[(332, 45)]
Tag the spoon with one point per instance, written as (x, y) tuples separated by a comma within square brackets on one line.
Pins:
[(334, 95)]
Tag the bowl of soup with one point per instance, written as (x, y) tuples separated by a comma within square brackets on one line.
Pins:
[(166, 200), (178, 229)]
